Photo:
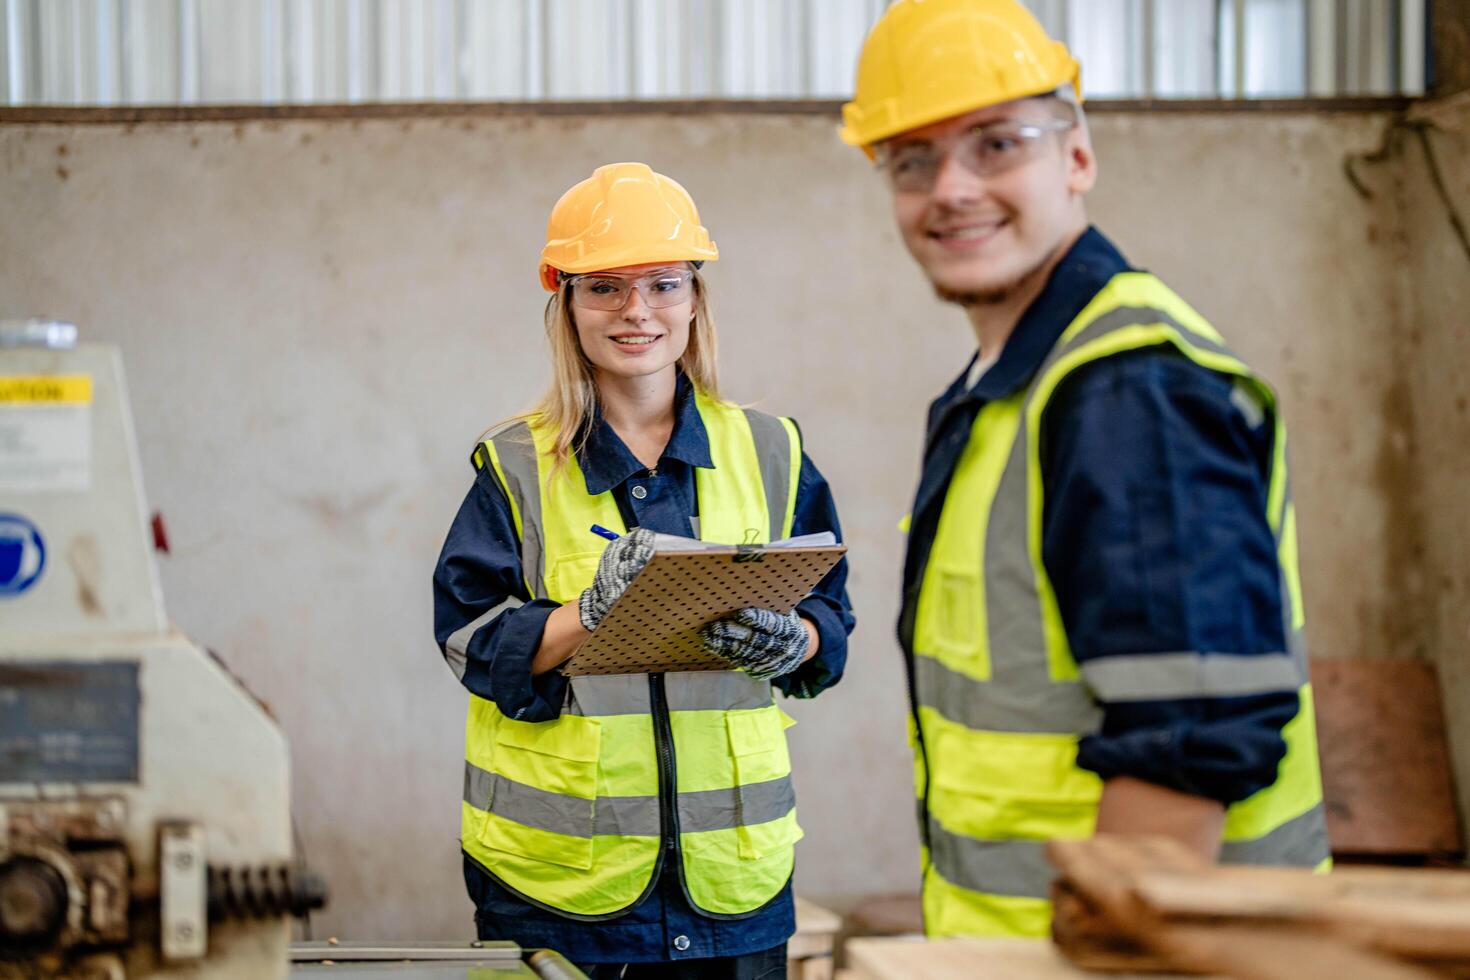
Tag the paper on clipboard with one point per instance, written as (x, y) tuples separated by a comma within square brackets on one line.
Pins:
[(654, 625)]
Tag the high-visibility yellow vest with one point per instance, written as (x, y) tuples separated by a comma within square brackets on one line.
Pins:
[(570, 813), (1002, 704)]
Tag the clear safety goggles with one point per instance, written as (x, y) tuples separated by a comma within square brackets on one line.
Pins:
[(659, 289), (985, 151)]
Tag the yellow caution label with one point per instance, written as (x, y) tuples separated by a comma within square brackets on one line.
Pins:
[(49, 389)]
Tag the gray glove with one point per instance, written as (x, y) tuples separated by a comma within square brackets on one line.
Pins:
[(620, 564), (763, 643)]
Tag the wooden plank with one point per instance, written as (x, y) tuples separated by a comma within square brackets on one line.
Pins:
[(1386, 774), (1420, 914), (1103, 870), (1137, 903), (1091, 940), (1274, 954), (967, 959)]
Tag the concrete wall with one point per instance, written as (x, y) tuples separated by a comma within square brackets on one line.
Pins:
[(319, 317), (1434, 336)]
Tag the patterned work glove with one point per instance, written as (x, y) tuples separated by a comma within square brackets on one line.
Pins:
[(763, 643), (620, 564)]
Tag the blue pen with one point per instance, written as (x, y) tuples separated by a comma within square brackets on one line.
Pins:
[(603, 532)]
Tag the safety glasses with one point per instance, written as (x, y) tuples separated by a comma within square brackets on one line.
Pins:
[(659, 289), (985, 151)]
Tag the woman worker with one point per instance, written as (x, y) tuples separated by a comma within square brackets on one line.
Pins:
[(641, 824)]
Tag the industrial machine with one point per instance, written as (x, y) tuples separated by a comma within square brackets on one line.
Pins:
[(145, 823)]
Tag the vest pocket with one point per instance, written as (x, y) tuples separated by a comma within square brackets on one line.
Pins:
[(765, 799), (1002, 785), (951, 621), (570, 574), (543, 803)]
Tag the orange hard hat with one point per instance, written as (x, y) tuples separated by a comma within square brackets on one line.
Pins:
[(624, 214)]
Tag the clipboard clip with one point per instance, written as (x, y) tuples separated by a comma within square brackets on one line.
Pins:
[(750, 550)]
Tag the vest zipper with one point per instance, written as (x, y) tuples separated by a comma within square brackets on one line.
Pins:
[(663, 741), (668, 800)]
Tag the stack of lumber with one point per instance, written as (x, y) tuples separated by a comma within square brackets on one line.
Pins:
[(1148, 904)]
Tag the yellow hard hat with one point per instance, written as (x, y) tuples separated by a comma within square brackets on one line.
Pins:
[(624, 214), (927, 60)]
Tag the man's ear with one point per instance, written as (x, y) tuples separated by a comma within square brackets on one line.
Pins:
[(1081, 162)]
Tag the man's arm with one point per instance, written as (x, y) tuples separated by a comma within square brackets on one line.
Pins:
[(1166, 574), (1132, 806)]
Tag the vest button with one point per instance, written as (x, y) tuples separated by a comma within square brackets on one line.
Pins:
[(681, 943), (640, 492)]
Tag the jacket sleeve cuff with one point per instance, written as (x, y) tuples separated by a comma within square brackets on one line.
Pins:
[(825, 669), (517, 693), (1223, 758)]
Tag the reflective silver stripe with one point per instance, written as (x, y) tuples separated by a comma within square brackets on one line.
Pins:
[(625, 816), (1300, 841), (610, 694), (997, 867), (1133, 316), (1296, 640), (556, 812), (1035, 707), (456, 648), (478, 785), (715, 690), (517, 452), (773, 453), (1166, 676), (1279, 517), (704, 690), (1248, 403), (722, 809), (1014, 628)]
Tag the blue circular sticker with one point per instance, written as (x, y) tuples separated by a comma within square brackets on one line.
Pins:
[(22, 554)]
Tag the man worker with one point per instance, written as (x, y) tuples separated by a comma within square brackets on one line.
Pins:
[(1102, 615)]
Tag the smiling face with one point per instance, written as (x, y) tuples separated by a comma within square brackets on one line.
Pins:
[(977, 237), (635, 340)]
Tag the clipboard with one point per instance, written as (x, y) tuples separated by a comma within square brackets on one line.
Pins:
[(654, 625)]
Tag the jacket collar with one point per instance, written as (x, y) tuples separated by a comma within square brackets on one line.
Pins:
[(606, 462)]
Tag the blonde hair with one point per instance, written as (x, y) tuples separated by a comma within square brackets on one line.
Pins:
[(571, 401)]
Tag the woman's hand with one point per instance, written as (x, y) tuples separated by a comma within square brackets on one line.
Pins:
[(567, 628), (620, 564), (761, 642)]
